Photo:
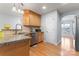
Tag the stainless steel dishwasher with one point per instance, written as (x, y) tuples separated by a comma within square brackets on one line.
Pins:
[(34, 40)]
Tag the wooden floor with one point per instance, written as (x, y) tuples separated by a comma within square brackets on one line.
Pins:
[(46, 49)]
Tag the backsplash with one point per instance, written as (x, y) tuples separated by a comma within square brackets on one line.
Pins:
[(26, 29)]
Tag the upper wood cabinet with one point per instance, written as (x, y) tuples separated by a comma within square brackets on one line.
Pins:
[(26, 18), (31, 18)]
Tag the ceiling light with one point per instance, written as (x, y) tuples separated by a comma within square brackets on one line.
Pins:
[(19, 10), (44, 7), (14, 8)]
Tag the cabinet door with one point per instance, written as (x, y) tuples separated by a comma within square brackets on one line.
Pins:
[(35, 19), (40, 37), (22, 48), (32, 19), (26, 19)]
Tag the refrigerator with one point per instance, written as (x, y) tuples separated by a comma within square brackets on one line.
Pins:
[(77, 34)]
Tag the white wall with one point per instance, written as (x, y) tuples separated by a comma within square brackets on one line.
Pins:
[(7, 19), (76, 12), (50, 27), (58, 28)]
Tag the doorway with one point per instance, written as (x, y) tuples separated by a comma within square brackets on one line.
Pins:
[(68, 34)]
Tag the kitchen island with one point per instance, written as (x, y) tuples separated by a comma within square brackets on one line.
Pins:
[(15, 45)]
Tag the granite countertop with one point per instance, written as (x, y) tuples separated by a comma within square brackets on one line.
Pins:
[(13, 38)]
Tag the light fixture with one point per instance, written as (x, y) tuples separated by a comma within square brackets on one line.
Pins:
[(18, 8), (14, 8), (44, 7), (20, 11)]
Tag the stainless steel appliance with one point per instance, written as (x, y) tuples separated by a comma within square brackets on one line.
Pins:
[(33, 35), (34, 39)]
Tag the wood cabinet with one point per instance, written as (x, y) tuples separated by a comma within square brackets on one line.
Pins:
[(26, 18), (40, 36), (20, 48), (31, 18)]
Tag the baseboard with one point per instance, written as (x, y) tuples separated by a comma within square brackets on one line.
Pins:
[(59, 42), (54, 43)]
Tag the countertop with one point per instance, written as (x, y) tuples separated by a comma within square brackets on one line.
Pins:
[(13, 38)]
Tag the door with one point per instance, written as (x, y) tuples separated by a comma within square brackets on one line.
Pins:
[(51, 29)]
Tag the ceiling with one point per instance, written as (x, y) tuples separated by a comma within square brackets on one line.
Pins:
[(6, 8)]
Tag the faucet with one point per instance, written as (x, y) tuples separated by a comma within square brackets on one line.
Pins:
[(16, 28)]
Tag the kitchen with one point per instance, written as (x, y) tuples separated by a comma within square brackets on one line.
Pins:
[(34, 29), (19, 31)]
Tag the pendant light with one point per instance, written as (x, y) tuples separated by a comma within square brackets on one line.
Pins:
[(18, 8), (14, 8)]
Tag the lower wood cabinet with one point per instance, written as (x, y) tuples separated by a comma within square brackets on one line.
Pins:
[(20, 48), (40, 36)]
